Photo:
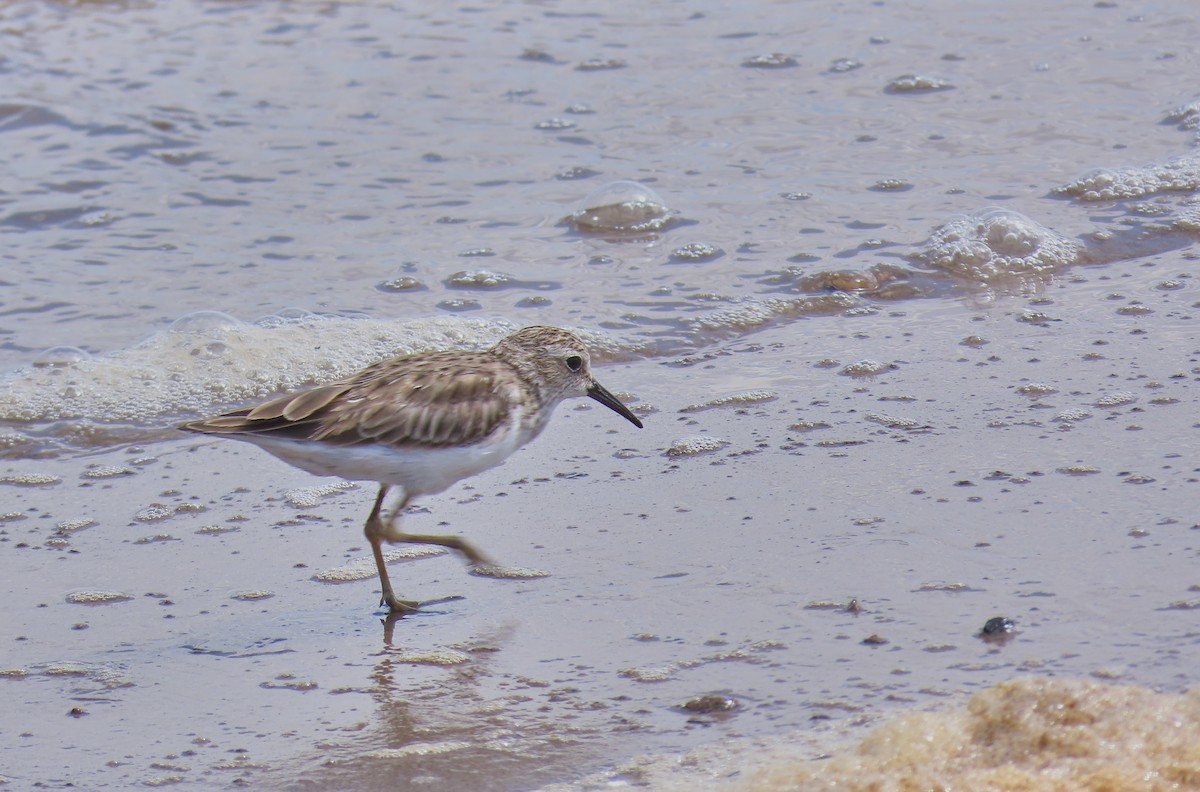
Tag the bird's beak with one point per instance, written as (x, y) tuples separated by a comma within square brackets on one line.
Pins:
[(601, 394)]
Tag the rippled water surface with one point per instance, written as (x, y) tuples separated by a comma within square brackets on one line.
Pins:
[(903, 291)]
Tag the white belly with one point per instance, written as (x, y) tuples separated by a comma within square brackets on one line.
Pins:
[(418, 471)]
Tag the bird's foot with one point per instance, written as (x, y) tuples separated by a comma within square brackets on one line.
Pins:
[(400, 607)]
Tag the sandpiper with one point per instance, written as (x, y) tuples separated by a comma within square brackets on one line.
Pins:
[(422, 422)]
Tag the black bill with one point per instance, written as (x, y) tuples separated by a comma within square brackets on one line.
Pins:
[(601, 394)]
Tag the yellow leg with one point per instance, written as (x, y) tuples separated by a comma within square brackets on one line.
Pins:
[(379, 531), (376, 531)]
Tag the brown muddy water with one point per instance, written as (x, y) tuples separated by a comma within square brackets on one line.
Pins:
[(903, 292)]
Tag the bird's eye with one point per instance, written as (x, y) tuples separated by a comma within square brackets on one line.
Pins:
[(574, 362)]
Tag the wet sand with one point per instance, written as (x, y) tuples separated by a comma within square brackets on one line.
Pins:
[(915, 347), (936, 495)]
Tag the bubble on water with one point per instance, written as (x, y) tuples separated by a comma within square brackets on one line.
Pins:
[(287, 681), (216, 530), (97, 471), (554, 124), (402, 283), (623, 207), (507, 572), (211, 349), (996, 244), (204, 322), (1116, 399), (308, 497), (69, 526), (576, 172), (890, 185), (711, 704), (154, 512), (843, 65), (841, 280), (178, 372), (734, 400), (30, 479), (535, 55), (894, 422), (90, 597), (1072, 414), (865, 368), (143, 390), (697, 251), (287, 317), (479, 279), (416, 749), (364, 568), (458, 306), (434, 657), (97, 219), (1181, 174), (252, 595), (154, 539), (600, 64), (917, 84), (1078, 470), (691, 446), (1036, 389), (772, 60), (1187, 116), (60, 357), (1189, 218), (649, 673)]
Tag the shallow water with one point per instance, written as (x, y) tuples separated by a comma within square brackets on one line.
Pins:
[(904, 297)]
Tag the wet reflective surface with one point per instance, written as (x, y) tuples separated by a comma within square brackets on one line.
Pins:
[(905, 301)]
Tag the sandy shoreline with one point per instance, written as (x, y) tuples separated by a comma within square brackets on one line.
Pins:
[(943, 492)]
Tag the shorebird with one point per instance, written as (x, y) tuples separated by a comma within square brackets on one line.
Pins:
[(420, 423)]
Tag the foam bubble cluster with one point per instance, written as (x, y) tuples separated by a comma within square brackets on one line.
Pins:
[(507, 572), (917, 84), (691, 446), (97, 597), (308, 497), (479, 279), (1189, 217), (1187, 116), (432, 657), (773, 60), (364, 568), (866, 368), (734, 400), (996, 244), (1181, 174), (207, 360)]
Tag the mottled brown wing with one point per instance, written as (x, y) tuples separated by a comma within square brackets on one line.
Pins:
[(292, 415), (433, 401)]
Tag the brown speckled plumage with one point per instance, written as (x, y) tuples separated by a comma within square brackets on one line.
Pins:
[(432, 401)]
